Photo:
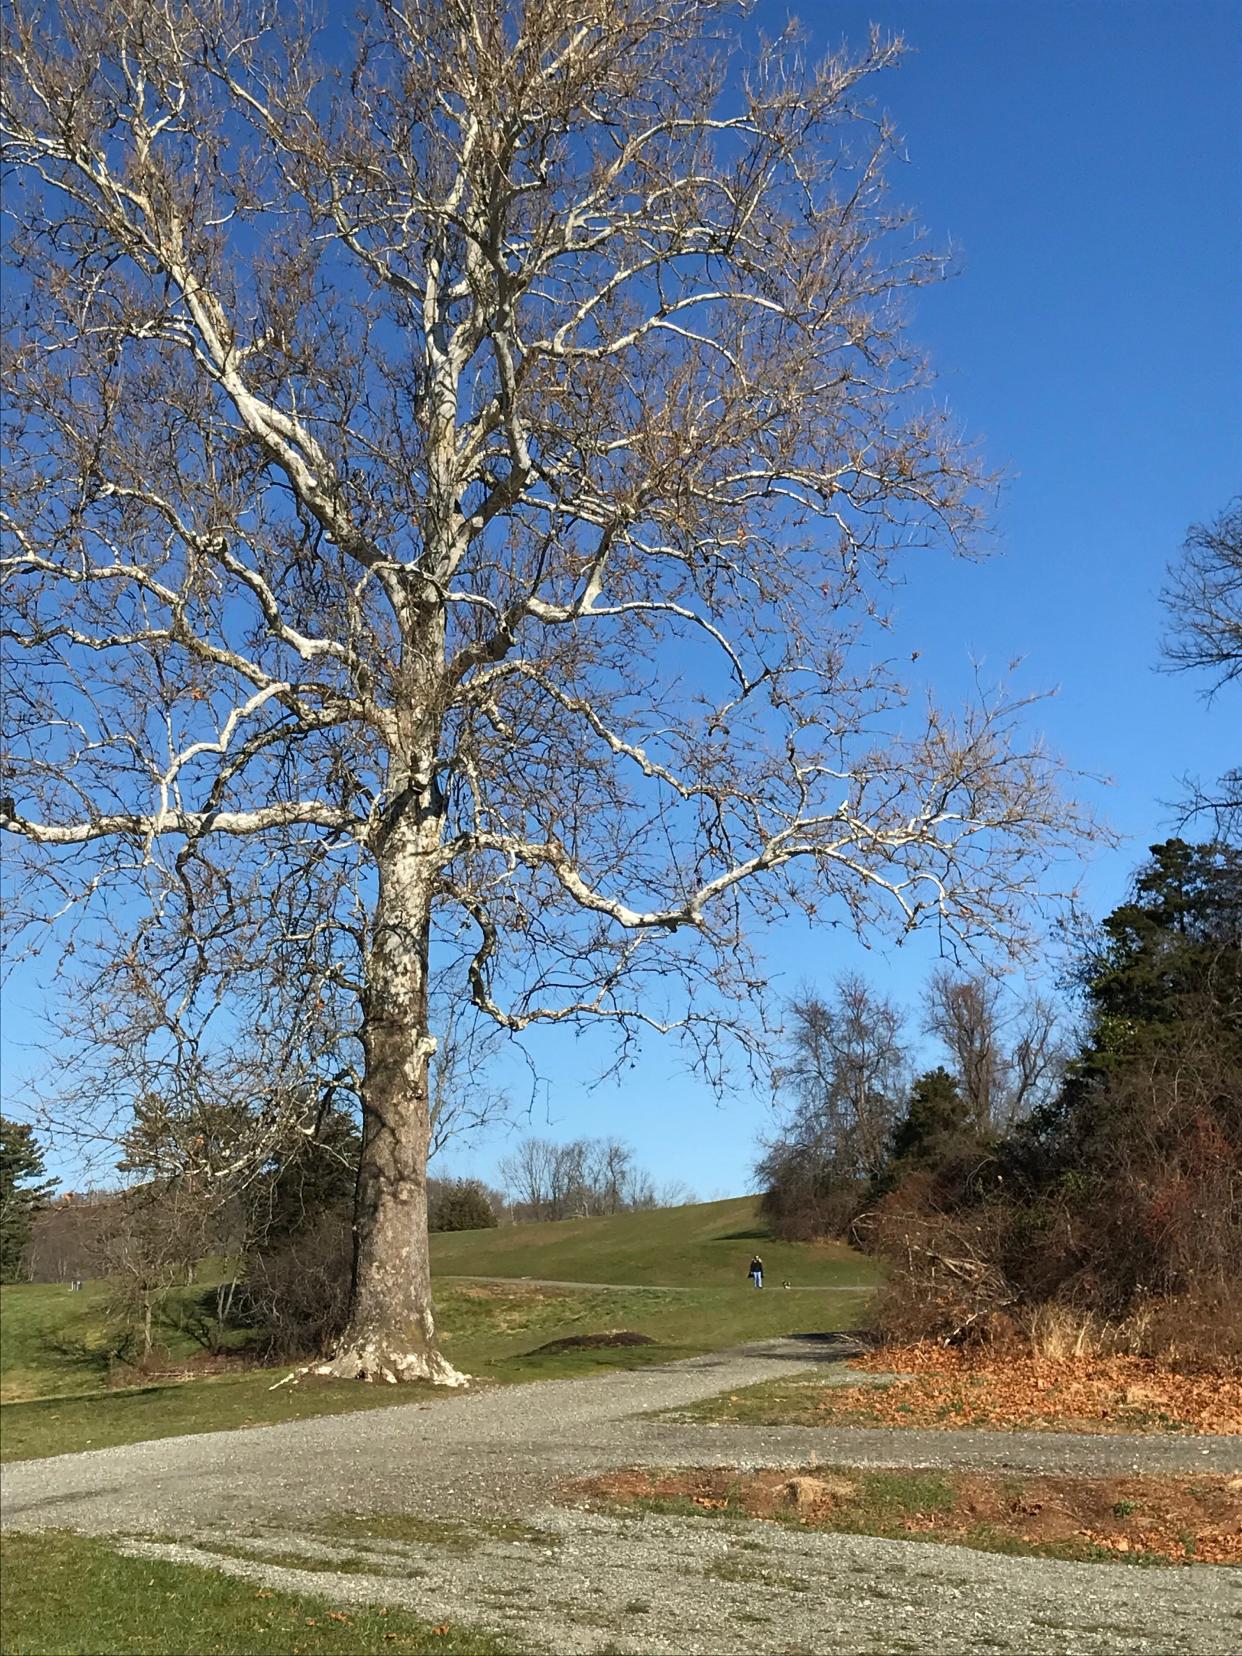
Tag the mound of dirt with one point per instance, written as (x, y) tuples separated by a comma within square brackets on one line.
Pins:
[(584, 1342)]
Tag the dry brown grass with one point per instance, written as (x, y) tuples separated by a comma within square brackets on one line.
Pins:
[(1147, 1520)]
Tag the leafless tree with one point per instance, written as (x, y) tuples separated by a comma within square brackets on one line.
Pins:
[(1008, 1052), (453, 479), (847, 1073), (577, 1180), (151, 1242), (611, 1177), (527, 1174), (1203, 597), (65, 1237)]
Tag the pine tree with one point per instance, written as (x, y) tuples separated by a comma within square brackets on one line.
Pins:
[(23, 1191), (937, 1115)]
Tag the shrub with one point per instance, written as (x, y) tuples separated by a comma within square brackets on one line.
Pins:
[(297, 1292), (462, 1204), (945, 1283)]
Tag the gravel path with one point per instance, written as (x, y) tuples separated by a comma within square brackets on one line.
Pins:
[(708, 1587), (591, 1584)]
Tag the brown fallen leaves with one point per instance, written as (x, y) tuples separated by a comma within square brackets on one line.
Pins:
[(1179, 1520), (1081, 1394)]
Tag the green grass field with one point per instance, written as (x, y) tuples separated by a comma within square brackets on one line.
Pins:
[(71, 1594), (55, 1342), (705, 1245)]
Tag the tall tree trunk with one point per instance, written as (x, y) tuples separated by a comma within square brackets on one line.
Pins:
[(391, 1333)]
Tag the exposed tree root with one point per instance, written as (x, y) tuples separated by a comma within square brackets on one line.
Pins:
[(372, 1361)]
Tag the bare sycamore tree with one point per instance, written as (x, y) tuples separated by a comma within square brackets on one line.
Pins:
[(454, 470), (1203, 598), (1008, 1053)]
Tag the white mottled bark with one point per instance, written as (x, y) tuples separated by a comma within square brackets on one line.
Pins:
[(391, 1334)]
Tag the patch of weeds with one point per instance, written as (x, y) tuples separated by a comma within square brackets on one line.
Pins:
[(445, 1533), (735, 1570), (985, 1539), (513, 1529), (454, 1535), (680, 1506), (907, 1492), (320, 1566), (1190, 1543), (953, 1406), (574, 1613), (1123, 1509)]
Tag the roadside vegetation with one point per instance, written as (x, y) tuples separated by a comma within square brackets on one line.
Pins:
[(952, 1389), (1093, 1520)]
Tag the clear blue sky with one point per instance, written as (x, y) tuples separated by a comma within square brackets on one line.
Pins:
[(1084, 157)]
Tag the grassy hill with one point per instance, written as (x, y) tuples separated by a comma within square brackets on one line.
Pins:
[(708, 1244)]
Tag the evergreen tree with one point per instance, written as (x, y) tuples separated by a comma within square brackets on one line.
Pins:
[(23, 1191), (1173, 950), (937, 1117), (313, 1175), (1164, 974), (462, 1204), (1129, 1178)]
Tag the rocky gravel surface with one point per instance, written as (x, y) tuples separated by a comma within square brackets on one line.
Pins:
[(593, 1584), (576, 1581)]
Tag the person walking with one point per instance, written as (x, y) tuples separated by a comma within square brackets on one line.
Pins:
[(756, 1271)]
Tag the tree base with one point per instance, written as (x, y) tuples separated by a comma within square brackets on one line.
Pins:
[(373, 1361)]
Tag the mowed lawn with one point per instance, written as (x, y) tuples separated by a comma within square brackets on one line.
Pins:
[(708, 1244), (71, 1595), (54, 1340)]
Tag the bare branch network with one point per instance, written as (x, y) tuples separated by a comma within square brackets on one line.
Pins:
[(459, 463)]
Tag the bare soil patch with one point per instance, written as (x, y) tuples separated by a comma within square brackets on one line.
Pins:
[(592, 1342), (507, 1289), (1132, 1520), (952, 1387)]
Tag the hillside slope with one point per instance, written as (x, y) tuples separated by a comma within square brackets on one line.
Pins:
[(708, 1244)]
